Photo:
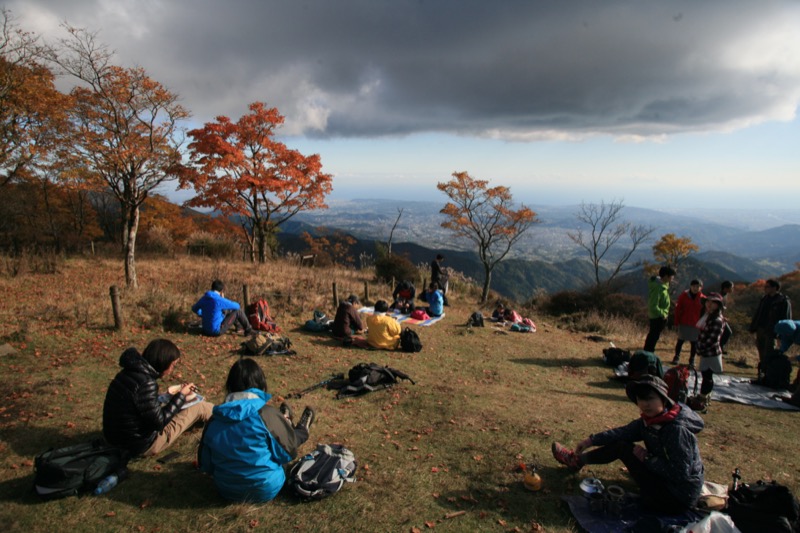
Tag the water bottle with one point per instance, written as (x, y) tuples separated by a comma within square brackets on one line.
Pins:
[(111, 481)]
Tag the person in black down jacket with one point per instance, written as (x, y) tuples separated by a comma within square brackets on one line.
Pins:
[(668, 469), (133, 418)]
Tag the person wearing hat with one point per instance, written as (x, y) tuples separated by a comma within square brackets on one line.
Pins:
[(711, 326), (687, 313), (668, 469), (347, 320)]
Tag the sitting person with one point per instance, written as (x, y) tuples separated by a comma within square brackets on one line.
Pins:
[(133, 418), (499, 312), (403, 296), (435, 300), (347, 320), (383, 331), (788, 333), (247, 442), (668, 469), (509, 315), (219, 313)]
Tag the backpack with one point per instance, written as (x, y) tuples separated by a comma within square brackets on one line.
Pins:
[(677, 380), (764, 507), (475, 320), (409, 341), (268, 344), (777, 371), (614, 356), (76, 469), (323, 472), (259, 317), (318, 323), (643, 362), (368, 377), (419, 314)]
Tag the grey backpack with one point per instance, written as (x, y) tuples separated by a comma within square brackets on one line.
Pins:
[(323, 472)]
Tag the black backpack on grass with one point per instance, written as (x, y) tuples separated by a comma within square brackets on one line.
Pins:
[(368, 377), (409, 341), (763, 507), (614, 356), (76, 469)]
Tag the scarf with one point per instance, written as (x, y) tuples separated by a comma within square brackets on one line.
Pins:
[(667, 416)]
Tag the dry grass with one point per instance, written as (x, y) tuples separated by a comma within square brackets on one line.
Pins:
[(485, 400)]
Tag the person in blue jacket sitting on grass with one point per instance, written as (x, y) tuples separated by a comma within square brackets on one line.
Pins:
[(219, 313), (247, 442), (435, 300)]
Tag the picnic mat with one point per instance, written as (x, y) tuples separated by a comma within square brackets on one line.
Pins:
[(405, 319), (631, 514), (740, 390)]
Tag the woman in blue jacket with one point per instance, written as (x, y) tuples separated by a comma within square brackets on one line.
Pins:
[(435, 300), (247, 442)]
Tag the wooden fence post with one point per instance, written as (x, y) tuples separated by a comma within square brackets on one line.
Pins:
[(366, 292), (115, 307), (245, 295), (335, 296)]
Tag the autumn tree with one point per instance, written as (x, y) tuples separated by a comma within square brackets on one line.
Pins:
[(240, 169), (329, 247), (486, 217), (33, 113), (604, 240), (128, 131), (672, 250)]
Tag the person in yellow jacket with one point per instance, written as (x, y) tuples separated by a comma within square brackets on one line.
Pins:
[(383, 332)]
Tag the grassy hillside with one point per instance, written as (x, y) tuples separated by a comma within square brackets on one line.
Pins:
[(485, 400)]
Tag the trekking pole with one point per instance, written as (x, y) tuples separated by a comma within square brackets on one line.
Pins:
[(316, 386)]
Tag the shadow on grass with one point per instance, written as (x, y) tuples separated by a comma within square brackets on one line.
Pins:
[(600, 396), (30, 441), (513, 502), (558, 363)]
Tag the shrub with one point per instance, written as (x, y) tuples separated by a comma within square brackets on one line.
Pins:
[(395, 267), (211, 245)]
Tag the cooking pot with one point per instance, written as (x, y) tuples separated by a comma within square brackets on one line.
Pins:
[(591, 485)]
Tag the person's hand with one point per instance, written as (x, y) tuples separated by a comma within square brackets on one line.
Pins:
[(582, 445), (640, 453), (187, 389)]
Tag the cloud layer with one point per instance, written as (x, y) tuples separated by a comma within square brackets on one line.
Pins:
[(520, 70)]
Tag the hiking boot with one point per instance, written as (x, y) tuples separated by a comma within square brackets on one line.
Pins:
[(307, 418), (287, 411), (566, 457)]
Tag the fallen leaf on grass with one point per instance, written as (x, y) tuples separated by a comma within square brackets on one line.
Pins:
[(478, 458), (454, 514), (145, 504), (253, 523), (430, 525), (502, 522), (416, 530), (70, 425), (111, 514)]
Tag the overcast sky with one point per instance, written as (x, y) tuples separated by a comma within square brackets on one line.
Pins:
[(660, 103)]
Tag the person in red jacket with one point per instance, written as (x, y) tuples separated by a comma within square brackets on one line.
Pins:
[(687, 313)]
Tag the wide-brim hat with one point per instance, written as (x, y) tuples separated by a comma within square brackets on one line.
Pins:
[(652, 382)]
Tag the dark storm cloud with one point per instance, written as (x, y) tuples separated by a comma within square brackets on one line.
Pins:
[(511, 69)]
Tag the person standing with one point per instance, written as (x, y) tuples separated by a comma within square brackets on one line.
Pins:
[(711, 326), (219, 313), (725, 289), (772, 308), (687, 313), (658, 303), (440, 276)]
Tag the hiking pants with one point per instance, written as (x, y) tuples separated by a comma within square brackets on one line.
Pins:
[(765, 341), (652, 488), (692, 351), (656, 327), (239, 318)]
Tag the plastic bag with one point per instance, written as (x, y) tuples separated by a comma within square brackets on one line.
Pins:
[(713, 523)]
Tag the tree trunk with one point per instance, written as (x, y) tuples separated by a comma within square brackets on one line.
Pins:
[(487, 281), (130, 246)]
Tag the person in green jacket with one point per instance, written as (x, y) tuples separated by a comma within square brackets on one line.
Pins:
[(658, 305)]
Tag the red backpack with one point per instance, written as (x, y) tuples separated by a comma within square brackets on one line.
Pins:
[(677, 380), (258, 315)]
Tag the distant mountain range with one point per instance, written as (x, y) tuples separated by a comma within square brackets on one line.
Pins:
[(547, 258)]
